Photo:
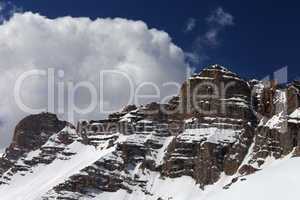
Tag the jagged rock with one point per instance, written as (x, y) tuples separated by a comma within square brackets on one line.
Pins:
[(247, 169), (277, 134), (34, 130), (205, 133), (31, 134), (129, 108), (217, 138), (293, 97)]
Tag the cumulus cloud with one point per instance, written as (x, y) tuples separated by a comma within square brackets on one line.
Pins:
[(77, 50), (190, 25)]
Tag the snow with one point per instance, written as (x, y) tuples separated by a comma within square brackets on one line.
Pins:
[(295, 114), (276, 122), (201, 78), (279, 120), (294, 117), (45, 177), (231, 77), (137, 139), (190, 120), (239, 104), (145, 121), (127, 118), (277, 181), (162, 151), (183, 188), (212, 134)]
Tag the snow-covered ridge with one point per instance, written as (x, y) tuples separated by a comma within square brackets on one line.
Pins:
[(208, 73), (144, 153)]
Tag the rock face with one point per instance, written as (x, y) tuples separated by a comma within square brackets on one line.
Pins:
[(35, 130), (30, 134), (139, 139), (220, 127)]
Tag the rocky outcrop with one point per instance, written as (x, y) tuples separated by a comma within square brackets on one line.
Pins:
[(217, 136), (277, 134), (31, 134), (33, 131), (138, 142), (218, 126)]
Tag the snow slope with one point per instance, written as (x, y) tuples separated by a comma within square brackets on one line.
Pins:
[(276, 182), (45, 177)]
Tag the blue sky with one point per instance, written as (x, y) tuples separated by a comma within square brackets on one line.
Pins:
[(252, 38), (264, 37)]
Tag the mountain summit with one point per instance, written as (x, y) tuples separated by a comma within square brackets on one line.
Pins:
[(220, 138)]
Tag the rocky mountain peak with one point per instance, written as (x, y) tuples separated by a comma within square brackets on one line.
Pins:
[(34, 130), (217, 67), (215, 141), (217, 72), (296, 83)]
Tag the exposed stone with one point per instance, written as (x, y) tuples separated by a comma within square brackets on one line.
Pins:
[(219, 125)]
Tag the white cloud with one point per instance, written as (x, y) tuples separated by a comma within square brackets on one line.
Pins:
[(190, 25), (82, 47), (7, 9), (217, 21), (220, 17), (211, 37), (1, 6)]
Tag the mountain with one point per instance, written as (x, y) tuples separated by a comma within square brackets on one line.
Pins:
[(222, 137)]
